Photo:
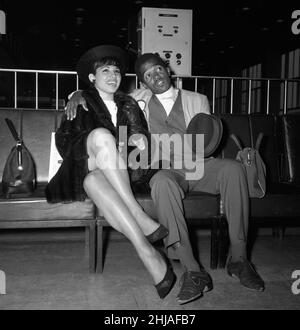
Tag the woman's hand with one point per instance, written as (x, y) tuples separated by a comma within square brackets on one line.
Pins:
[(75, 100)]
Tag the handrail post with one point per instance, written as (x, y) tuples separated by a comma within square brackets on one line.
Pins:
[(231, 97), (179, 82), (196, 85), (268, 97), (285, 97), (16, 91), (250, 92), (214, 94), (77, 82), (36, 90), (56, 91)]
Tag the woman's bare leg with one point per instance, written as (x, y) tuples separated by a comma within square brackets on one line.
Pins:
[(105, 156), (106, 198)]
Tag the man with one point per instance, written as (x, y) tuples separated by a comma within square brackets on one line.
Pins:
[(169, 110)]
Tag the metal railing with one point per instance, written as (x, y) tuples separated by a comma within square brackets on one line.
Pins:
[(209, 85), (232, 82)]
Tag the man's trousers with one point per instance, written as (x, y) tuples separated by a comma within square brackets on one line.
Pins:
[(221, 176)]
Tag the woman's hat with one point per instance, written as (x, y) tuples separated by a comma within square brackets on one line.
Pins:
[(87, 60), (212, 129)]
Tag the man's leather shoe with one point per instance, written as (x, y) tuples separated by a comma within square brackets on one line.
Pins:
[(246, 273), (193, 284)]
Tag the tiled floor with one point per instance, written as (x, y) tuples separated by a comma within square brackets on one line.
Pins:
[(48, 271)]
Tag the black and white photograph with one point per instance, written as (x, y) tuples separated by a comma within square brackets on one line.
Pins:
[(149, 158)]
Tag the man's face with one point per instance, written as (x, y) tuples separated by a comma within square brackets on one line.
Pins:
[(156, 78)]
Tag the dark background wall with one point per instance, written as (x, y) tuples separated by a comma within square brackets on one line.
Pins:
[(227, 35)]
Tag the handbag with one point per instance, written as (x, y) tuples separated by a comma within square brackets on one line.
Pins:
[(254, 165), (19, 174)]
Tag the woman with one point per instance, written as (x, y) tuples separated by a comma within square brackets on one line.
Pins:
[(92, 165)]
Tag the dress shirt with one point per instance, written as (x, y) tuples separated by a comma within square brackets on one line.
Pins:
[(168, 98), (112, 108)]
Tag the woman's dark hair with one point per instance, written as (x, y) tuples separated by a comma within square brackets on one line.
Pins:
[(108, 60)]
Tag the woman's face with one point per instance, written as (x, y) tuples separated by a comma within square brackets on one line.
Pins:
[(107, 79)]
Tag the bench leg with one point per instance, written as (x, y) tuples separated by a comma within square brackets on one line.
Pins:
[(282, 232), (87, 241), (99, 262), (214, 243), (275, 231), (92, 247), (278, 232), (223, 242)]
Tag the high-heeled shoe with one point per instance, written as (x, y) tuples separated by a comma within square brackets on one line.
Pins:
[(160, 233), (167, 283)]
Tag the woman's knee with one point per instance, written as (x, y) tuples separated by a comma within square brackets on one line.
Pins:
[(94, 180), (100, 137), (88, 181)]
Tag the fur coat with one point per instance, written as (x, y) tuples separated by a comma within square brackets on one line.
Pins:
[(67, 184)]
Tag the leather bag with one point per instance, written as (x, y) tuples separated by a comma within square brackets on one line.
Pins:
[(254, 165), (19, 175)]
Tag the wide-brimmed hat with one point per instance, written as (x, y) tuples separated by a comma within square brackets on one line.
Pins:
[(87, 60), (212, 129)]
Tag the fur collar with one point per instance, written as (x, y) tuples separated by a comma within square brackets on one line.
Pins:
[(95, 103)]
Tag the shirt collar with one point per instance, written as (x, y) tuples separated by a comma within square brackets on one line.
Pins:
[(171, 93)]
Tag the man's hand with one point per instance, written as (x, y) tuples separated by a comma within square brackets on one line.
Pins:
[(75, 100), (139, 143)]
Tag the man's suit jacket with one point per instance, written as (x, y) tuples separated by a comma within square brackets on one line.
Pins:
[(192, 103)]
